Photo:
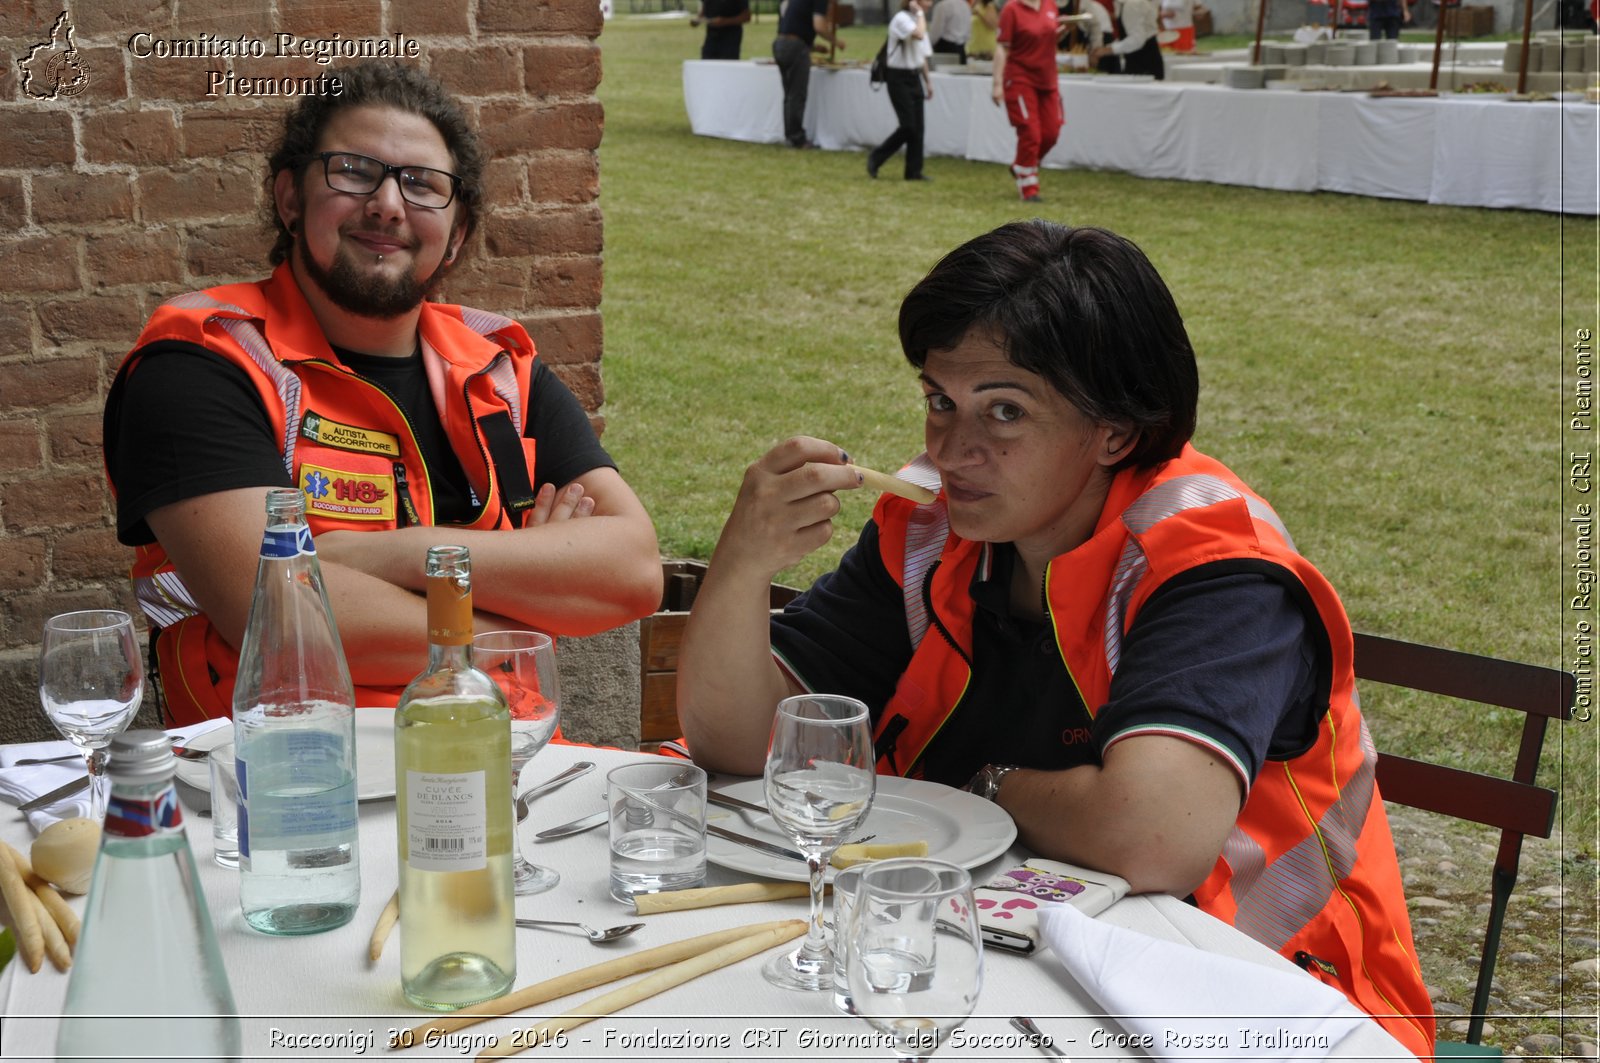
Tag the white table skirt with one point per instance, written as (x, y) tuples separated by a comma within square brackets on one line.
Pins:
[(321, 985), (1461, 150)]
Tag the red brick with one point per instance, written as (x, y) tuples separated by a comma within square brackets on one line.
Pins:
[(10, 81), (585, 383), (199, 192), (321, 19), (512, 128), (227, 19), (90, 554), (22, 562), (215, 132), (52, 502), (119, 20), (36, 139), (559, 282), (499, 285), (39, 264), (26, 613), (567, 339), (564, 231), (107, 80), (221, 253), (16, 325), (82, 197), (561, 69), (12, 215), (564, 177), (430, 18), (480, 71), (540, 16), (92, 317), (74, 438), (143, 137), (20, 451), (29, 20), (502, 183), (180, 80), (43, 384), (136, 257)]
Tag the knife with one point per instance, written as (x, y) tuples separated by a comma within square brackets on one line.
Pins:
[(733, 802), (578, 826), (590, 822), (55, 795)]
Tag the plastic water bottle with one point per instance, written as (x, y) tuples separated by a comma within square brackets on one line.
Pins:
[(452, 753), (294, 740), (147, 976)]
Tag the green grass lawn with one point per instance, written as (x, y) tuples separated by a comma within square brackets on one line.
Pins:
[(1387, 373)]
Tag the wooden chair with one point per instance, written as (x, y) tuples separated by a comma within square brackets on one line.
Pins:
[(1516, 806)]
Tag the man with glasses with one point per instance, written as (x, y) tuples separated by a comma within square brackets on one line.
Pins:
[(406, 423)]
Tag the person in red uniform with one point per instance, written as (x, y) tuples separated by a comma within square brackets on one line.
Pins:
[(1025, 82)]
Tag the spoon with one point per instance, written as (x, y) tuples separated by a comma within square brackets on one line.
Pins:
[(599, 937), (582, 767), (1039, 1038)]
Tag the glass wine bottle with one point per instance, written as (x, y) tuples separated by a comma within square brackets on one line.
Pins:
[(147, 975), (294, 736), (452, 754)]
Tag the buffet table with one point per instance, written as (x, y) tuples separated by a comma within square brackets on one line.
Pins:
[(1480, 151), (316, 997)]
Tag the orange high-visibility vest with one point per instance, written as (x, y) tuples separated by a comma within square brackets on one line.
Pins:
[(1309, 869), (345, 443)]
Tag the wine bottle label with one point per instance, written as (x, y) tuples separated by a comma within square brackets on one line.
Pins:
[(279, 544), (128, 817), (447, 821)]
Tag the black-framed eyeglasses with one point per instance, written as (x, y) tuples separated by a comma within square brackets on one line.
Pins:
[(361, 175)]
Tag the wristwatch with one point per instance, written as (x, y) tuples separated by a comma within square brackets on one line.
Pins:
[(986, 784)]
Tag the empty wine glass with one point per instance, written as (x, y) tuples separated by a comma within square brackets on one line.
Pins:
[(916, 955), (523, 665), (819, 784), (91, 678)]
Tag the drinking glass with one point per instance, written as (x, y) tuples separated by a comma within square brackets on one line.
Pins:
[(523, 665), (91, 678), (819, 784), (916, 955)]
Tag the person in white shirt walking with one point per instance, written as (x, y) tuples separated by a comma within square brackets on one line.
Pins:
[(910, 83)]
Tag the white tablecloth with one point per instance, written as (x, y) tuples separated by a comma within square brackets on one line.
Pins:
[(1462, 150), (295, 987)]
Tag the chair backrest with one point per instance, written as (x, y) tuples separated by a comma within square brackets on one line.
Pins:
[(1517, 806)]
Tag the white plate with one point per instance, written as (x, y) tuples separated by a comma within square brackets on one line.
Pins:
[(374, 755), (959, 827)]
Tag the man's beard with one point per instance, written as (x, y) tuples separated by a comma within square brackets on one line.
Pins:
[(366, 295)]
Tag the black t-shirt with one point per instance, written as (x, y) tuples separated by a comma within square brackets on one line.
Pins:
[(188, 422), (797, 15), (722, 42), (1226, 659)]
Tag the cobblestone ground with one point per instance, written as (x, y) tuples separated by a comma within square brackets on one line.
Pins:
[(1546, 989)]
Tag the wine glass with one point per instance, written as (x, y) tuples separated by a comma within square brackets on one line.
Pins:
[(523, 665), (91, 678), (916, 954), (819, 785)]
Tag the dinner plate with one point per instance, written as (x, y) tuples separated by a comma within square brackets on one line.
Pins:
[(374, 755), (959, 827)]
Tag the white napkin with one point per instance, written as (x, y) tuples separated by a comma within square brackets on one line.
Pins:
[(19, 785), (1192, 1004)]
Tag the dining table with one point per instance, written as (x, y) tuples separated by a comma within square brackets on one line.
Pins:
[(319, 996)]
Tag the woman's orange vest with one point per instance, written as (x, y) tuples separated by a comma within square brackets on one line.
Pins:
[(1309, 869), (345, 443)]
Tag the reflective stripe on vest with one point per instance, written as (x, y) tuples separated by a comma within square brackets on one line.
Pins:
[(1275, 903)]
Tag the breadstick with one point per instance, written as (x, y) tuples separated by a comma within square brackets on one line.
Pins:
[(586, 978), (711, 896), (880, 481), (65, 918), (24, 913), (380, 933), (644, 988), (55, 945)]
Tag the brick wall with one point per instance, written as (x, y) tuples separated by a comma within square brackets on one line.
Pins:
[(129, 183)]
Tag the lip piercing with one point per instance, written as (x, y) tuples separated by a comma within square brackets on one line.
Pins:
[(380, 258)]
